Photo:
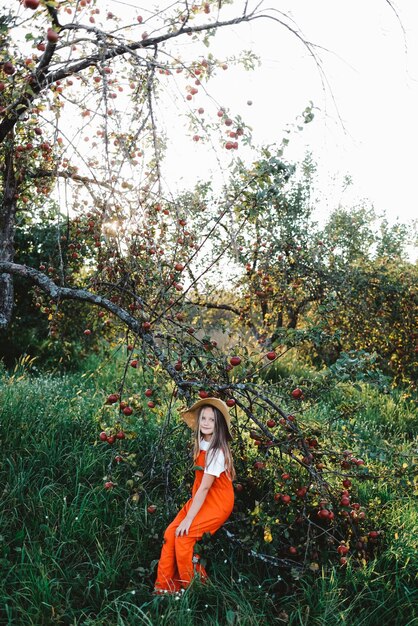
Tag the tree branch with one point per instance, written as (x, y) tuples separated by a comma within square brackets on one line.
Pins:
[(211, 305), (85, 180), (58, 293), (267, 558), (41, 80)]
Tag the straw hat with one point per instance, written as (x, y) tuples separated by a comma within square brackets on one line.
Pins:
[(190, 416)]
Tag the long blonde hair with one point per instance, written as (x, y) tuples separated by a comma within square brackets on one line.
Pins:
[(219, 441)]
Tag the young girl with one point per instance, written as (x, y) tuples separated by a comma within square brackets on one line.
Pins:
[(212, 498)]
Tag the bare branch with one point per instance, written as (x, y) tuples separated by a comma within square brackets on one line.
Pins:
[(267, 558), (67, 175), (42, 80), (213, 305)]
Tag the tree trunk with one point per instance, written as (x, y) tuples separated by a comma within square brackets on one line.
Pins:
[(7, 231), (293, 318)]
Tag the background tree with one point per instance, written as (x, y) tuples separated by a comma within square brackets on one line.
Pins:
[(292, 283)]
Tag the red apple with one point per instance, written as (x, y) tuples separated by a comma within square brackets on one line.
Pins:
[(127, 410), (120, 435), (111, 439), (103, 436), (230, 402), (52, 35), (31, 4), (9, 68), (203, 394), (235, 360), (146, 325), (151, 508), (271, 355), (296, 393), (109, 485), (134, 363), (270, 423), (112, 398), (148, 392)]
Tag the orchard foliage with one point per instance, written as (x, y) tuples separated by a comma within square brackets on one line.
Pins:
[(37, 318), (347, 285)]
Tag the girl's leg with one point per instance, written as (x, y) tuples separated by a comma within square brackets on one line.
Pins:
[(187, 563), (167, 573)]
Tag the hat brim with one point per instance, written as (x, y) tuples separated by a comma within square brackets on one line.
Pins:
[(190, 416)]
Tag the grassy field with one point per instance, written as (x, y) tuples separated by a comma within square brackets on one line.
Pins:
[(73, 553)]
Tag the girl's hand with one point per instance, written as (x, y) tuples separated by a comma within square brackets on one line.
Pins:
[(183, 527)]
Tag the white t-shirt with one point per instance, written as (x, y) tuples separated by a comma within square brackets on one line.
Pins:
[(217, 461)]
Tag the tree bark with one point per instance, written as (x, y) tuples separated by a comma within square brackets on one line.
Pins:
[(7, 231)]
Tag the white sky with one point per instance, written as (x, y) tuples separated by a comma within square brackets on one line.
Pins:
[(372, 71)]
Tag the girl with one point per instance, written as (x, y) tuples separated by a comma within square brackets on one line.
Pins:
[(212, 498)]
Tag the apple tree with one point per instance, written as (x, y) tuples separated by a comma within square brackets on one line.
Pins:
[(79, 130), (325, 290)]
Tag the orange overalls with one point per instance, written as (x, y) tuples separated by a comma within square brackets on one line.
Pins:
[(175, 568)]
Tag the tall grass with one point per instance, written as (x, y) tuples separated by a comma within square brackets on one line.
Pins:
[(72, 553)]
